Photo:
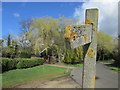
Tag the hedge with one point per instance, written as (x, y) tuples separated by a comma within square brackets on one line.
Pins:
[(26, 63), (9, 64)]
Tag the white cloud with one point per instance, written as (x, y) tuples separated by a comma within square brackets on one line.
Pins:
[(16, 14), (108, 14)]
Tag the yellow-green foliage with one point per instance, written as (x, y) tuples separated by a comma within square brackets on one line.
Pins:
[(74, 56), (105, 45), (46, 31)]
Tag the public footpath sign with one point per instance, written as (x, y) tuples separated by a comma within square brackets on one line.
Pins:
[(86, 36)]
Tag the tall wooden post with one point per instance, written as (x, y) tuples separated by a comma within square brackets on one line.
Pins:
[(89, 69)]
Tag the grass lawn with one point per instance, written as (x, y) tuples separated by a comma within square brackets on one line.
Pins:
[(43, 72), (0, 80), (115, 68), (74, 65), (106, 61), (111, 66)]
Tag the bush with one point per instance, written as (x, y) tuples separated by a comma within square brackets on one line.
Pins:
[(74, 56), (26, 63), (25, 54), (8, 64)]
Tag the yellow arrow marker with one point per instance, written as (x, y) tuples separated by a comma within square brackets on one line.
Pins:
[(90, 53)]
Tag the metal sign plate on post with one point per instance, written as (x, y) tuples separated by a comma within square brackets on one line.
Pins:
[(76, 36)]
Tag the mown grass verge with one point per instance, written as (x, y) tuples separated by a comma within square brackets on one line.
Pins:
[(115, 68), (106, 61), (43, 72), (111, 65)]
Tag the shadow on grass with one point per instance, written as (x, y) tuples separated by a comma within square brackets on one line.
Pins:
[(113, 67), (109, 64)]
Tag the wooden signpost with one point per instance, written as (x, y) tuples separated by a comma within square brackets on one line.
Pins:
[(85, 35)]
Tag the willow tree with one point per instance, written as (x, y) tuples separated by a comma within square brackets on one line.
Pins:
[(48, 32), (42, 33)]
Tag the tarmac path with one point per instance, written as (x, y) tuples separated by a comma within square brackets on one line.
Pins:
[(105, 78)]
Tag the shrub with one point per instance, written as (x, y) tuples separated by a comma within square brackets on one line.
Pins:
[(8, 64), (24, 54), (74, 56), (26, 63)]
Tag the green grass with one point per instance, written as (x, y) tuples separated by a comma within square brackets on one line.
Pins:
[(0, 80), (106, 61), (74, 65), (114, 68), (43, 72)]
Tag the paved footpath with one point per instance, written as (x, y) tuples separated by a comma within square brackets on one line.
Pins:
[(105, 78)]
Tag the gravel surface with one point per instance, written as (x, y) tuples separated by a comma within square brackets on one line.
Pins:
[(62, 82)]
